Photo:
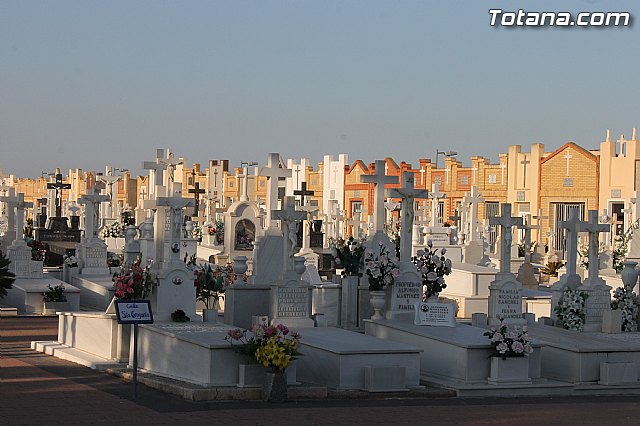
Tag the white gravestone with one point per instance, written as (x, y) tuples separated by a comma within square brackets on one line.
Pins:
[(505, 293), (598, 293)]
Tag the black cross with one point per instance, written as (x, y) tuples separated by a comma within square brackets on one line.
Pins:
[(196, 191), (303, 192), (58, 186), (456, 219)]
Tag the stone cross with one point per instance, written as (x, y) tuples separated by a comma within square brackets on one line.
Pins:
[(463, 211), (408, 194), (175, 204), (244, 184), (156, 168), (196, 191), (58, 186), (527, 243), (539, 218), (435, 196), (171, 165), (7, 199), (378, 179), (355, 221), (273, 173), (474, 198), (593, 228), (289, 216), (524, 170), (573, 227), (20, 205), (92, 203), (506, 222), (303, 192), (338, 217), (306, 237), (502, 167)]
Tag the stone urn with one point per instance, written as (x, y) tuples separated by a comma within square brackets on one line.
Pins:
[(377, 299), (240, 265), (298, 264), (629, 274)]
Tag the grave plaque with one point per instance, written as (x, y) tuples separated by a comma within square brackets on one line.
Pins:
[(435, 314), (505, 301), (293, 302), (404, 293)]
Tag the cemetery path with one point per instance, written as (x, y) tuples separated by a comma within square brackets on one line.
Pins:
[(37, 389)]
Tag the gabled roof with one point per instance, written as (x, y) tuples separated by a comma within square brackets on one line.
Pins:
[(572, 145)]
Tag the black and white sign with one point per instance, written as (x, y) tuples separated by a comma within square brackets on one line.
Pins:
[(435, 314), (134, 312)]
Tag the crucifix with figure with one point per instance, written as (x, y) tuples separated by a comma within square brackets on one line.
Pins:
[(58, 186), (408, 194), (196, 191), (288, 216), (506, 222)]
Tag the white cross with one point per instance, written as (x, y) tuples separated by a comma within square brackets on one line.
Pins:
[(474, 198), (273, 172), (435, 196), (502, 167), (378, 179), (288, 217), (593, 228), (447, 171), (539, 218), (568, 156), (92, 203), (573, 227), (475, 173), (408, 195), (175, 204), (422, 172), (156, 168), (623, 143), (506, 222)]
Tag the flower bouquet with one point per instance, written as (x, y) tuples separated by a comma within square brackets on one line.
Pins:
[(271, 346), (571, 309), (433, 266), (211, 283), (133, 283), (509, 343), (626, 300), (348, 255), (381, 267)]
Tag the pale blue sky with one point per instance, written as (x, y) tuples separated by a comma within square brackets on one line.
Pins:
[(89, 83)]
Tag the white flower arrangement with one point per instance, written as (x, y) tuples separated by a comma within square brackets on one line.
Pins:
[(433, 265), (70, 261), (627, 301), (382, 268), (571, 309), (112, 230), (197, 231), (510, 343)]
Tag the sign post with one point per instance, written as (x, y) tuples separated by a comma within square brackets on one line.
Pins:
[(134, 312)]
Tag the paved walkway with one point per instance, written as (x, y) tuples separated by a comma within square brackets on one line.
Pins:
[(36, 389)]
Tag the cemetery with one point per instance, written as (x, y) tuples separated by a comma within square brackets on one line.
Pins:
[(392, 302)]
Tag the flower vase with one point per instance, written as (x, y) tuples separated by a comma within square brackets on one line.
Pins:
[(511, 370), (377, 302), (274, 388), (629, 274), (434, 298), (210, 315)]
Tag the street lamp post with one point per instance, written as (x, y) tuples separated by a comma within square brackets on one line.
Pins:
[(445, 153)]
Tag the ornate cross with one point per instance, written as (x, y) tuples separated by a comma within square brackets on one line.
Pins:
[(573, 227), (593, 228), (289, 216)]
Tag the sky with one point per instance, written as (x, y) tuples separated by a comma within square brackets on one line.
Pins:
[(85, 84)]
